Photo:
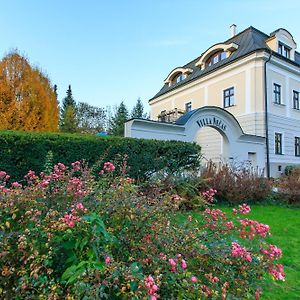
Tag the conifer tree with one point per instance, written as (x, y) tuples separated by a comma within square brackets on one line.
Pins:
[(116, 123), (70, 123), (138, 110), (68, 118)]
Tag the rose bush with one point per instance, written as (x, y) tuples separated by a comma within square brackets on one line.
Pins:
[(69, 235)]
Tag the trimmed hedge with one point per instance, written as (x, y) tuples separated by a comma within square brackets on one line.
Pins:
[(23, 151)]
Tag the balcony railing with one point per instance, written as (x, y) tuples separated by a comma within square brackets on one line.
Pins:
[(170, 116)]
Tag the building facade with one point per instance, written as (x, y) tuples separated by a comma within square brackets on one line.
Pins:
[(239, 100)]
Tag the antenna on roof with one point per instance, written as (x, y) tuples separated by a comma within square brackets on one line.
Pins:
[(232, 30)]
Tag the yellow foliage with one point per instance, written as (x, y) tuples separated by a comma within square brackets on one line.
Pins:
[(27, 99)]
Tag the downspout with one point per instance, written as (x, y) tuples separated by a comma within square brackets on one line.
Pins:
[(266, 116)]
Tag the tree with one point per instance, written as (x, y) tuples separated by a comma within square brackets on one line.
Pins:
[(91, 119), (116, 123), (27, 98), (138, 110), (70, 123), (68, 113)]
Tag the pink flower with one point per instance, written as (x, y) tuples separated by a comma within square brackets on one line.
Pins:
[(229, 225), (107, 260), (172, 262), (75, 166), (238, 251), (250, 228), (108, 167), (16, 185), (209, 195), (277, 272), (244, 209), (190, 218), (194, 279), (273, 252), (80, 206), (183, 264), (151, 287), (2, 174)]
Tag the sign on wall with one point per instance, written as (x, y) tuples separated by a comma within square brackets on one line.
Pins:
[(212, 121)]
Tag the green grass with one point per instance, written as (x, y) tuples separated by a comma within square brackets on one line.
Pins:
[(285, 233)]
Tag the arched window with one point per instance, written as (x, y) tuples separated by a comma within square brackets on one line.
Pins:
[(179, 78), (216, 57)]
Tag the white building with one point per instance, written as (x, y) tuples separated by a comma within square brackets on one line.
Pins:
[(239, 100)]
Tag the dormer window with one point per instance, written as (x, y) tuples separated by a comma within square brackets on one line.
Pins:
[(216, 57), (179, 78), (177, 75), (284, 50)]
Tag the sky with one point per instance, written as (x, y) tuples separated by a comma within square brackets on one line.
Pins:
[(117, 50)]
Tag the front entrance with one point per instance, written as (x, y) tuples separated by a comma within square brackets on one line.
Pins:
[(215, 129), (214, 145)]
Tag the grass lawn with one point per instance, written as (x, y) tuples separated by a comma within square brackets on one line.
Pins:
[(285, 233)]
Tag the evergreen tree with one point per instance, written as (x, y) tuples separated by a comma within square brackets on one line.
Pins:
[(138, 110), (69, 100), (55, 90), (70, 123), (116, 123), (68, 118)]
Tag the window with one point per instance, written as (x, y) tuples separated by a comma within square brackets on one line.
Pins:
[(228, 97), (284, 50), (297, 146), (277, 93), (188, 106), (296, 100), (179, 78), (216, 57), (278, 143)]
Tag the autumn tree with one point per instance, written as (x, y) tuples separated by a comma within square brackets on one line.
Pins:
[(27, 98), (68, 113), (91, 119), (117, 120), (138, 110)]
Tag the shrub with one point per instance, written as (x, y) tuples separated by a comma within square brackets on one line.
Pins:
[(290, 168), (289, 187), (66, 236), (22, 151), (236, 185)]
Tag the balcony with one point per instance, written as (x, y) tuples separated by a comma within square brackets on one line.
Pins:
[(170, 116)]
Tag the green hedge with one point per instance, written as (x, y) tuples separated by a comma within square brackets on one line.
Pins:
[(23, 151)]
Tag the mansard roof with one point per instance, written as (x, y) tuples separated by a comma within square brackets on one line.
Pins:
[(250, 40)]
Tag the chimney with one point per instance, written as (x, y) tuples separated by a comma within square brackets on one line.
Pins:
[(232, 30)]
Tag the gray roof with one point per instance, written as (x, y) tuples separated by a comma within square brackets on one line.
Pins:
[(248, 41)]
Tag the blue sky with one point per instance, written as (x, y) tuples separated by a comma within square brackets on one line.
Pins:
[(123, 49)]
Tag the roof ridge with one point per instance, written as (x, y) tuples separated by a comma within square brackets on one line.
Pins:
[(250, 28)]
